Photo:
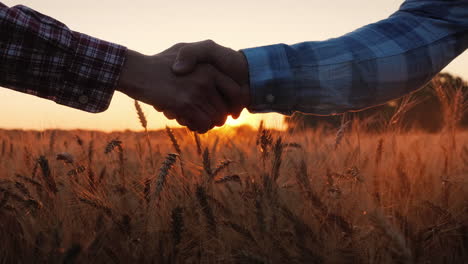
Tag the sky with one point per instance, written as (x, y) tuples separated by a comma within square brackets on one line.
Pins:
[(151, 26)]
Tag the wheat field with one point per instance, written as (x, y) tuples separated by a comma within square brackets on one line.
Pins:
[(241, 195)]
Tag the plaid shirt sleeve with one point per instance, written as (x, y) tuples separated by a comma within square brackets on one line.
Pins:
[(41, 56), (367, 67)]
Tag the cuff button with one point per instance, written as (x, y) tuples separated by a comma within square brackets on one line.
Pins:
[(83, 99), (270, 98)]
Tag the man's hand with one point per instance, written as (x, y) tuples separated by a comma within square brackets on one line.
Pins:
[(193, 99), (230, 62)]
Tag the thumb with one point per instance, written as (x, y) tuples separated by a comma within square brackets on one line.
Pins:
[(192, 54)]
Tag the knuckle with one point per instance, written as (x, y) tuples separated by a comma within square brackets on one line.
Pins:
[(219, 122), (200, 81), (237, 112), (184, 50), (209, 43), (169, 117), (179, 45)]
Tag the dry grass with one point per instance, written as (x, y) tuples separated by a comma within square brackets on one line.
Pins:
[(242, 196), (295, 198)]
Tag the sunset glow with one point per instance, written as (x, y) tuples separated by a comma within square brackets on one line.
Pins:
[(244, 119), (153, 26), (347, 160)]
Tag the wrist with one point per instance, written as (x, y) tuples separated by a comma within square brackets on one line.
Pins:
[(244, 79), (132, 78)]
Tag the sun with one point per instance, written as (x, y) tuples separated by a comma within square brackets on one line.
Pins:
[(235, 122), (244, 119)]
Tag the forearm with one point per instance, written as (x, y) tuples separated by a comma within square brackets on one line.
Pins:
[(41, 56), (369, 66), (134, 74)]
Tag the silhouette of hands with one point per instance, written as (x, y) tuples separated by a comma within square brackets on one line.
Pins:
[(228, 61), (200, 97)]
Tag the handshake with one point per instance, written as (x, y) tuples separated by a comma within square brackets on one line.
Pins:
[(198, 84)]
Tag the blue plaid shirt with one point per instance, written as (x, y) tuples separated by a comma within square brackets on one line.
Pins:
[(367, 67)]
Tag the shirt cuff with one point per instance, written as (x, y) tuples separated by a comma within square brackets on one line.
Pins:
[(272, 87), (93, 70)]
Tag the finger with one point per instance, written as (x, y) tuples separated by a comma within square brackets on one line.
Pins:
[(236, 114), (220, 106), (229, 90), (182, 121), (169, 115), (192, 54), (206, 107), (209, 100), (214, 105), (223, 120), (197, 120)]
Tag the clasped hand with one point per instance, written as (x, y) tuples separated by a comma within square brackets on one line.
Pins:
[(198, 84)]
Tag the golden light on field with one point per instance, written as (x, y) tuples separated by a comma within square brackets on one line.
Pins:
[(107, 187), (242, 120), (245, 118)]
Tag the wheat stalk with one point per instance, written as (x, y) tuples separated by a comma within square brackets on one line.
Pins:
[(173, 139), (206, 209), (400, 249), (98, 204), (215, 146), (341, 132), (198, 142), (177, 225), (79, 140), (222, 165), (115, 143), (141, 115), (278, 153), (264, 141), (23, 189), (77, 170), (144, 124), (164, 171), (47, 175), (229, 178), (207, 163), (52, 139), (65, 157), (241, 230), (27, 202)]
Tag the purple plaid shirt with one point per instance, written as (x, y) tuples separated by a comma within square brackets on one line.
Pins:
[(41, 56)]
